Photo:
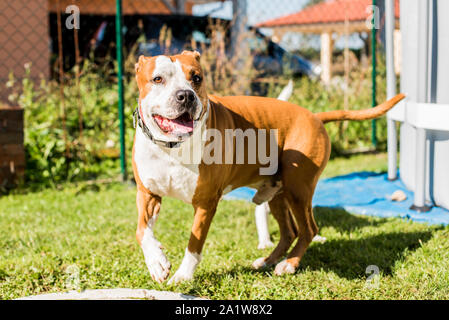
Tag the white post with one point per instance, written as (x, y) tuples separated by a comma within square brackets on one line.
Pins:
[(419, 199), (326, 57), (391, 89)]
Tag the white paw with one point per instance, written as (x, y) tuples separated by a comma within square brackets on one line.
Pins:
[(157, 264), (319, 239), (180, 276), (265, 244), (259, 263), (187, 267), (284, 267)]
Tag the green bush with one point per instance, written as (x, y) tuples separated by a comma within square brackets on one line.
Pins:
[(55, 154)]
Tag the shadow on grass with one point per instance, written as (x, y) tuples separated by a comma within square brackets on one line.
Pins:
[(349, 258), (343, 221)]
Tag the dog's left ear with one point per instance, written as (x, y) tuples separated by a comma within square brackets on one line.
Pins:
[(194, 54), (139, 63)]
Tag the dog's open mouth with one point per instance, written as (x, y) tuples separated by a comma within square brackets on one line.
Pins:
[(182, 125)]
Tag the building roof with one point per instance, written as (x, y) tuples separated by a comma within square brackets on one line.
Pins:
[(333, 11)]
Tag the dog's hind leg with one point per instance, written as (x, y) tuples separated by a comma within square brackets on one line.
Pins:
[(287, 228), (261, 214), (301, 208), (299, 178)]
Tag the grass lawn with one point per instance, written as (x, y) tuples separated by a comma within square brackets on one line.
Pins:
[(48, 237)]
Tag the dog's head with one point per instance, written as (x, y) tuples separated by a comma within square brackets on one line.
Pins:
[(172, 94)]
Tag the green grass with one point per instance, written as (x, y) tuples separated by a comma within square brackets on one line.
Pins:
[(45, 235)]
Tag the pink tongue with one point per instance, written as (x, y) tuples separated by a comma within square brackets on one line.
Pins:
[(175, 126)]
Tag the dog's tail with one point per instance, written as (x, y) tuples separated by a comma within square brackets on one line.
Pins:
[(341, 115), (286, 93)]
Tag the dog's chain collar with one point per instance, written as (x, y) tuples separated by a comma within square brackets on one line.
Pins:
[(137, 120)]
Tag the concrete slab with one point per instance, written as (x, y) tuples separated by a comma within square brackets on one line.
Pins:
[(113, 294)]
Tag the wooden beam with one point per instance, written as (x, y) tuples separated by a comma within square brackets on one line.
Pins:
[(326, 57)]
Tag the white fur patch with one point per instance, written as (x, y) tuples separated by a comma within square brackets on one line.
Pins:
[(319, 239), (259, 263), (187, 268), (155, 259), (284, 267), (261, 214)]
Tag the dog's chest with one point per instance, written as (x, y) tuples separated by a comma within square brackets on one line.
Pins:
[(163, 174)]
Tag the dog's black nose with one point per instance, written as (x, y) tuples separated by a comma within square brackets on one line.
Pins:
[(185, 96)]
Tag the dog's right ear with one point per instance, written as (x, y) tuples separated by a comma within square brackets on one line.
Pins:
[(139, 63), (194, 54)]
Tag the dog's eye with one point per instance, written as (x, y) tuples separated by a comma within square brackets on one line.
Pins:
[(157, 80), (196, 79)]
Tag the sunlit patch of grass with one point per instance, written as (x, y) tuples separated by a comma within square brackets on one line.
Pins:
[(45, 235)]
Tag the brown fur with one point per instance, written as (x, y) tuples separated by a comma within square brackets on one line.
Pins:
[(304, 150), (340, 115), (148, 204)]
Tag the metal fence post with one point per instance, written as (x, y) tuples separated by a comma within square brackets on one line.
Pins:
[(239, 9), (118, 33)]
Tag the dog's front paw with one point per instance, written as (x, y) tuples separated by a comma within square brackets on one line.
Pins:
[(284, 267), (259, 263), (265, 244), (187, 268), (180, 276), (157, 264), (319, 239)]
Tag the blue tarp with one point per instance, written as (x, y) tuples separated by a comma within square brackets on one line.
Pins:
[(364, 193)]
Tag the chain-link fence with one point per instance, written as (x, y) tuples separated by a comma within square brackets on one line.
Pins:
[(58, 62)]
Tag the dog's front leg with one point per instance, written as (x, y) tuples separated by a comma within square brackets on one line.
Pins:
[(148, 206), (204, 213)]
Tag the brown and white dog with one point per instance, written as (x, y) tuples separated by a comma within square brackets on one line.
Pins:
[(175, 117)]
